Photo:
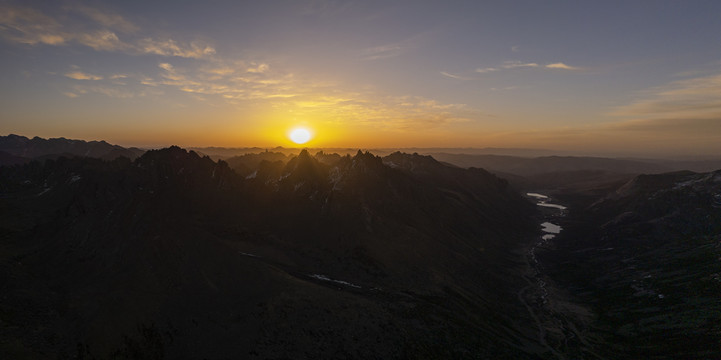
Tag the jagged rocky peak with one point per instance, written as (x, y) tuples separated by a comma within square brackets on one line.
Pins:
[(177, 165), (366, 161), (343, 242), (305, 167), (172, 153), (304, 159), (328, 159), (412, 162)]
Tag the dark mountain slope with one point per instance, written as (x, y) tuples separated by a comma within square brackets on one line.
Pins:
[(176, 256), (246, 163), (646, 260), (10, 159)]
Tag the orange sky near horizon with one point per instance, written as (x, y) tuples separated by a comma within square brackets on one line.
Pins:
[(620, 78)]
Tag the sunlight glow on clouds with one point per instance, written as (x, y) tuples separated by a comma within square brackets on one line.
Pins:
[(113, 21), (521, 64), (233, 81), (560, 66), (170, 47), (518, 64), (454, 76), (686, 106), (28, 26), (691, 98), (437, 74), (102, 40), (79, 75), (381, 52)]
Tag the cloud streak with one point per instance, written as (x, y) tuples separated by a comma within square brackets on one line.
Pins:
[(518, 64), (99, 31), (452, 76), (238, 83), (513, 64), (381, 52), (674, 115), (694, 98), (79, 75), (27, 26), (111, 21), (560, 66), (171, 47), (215, 80)]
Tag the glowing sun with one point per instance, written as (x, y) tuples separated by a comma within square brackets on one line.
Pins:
[(300, 135)]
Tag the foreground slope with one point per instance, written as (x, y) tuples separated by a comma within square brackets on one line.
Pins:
[(174, 255), (645, 259)]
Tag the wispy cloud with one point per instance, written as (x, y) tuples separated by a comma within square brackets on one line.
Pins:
[(214, 79), (486, 70), (392, 113), (232, 80), (171, 47), (684, 108), (108, 20), (691, 98), (452, 76), (79, 75), (381, 52), (518, 64), (258, 68), (510, 88), (25, 25), (110, 89), (239, 83), (514, 64), (561, 66), (102, 40)]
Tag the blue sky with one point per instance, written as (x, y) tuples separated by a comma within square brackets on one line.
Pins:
[(605, 77)]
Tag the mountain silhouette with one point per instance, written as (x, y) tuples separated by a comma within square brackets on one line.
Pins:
[(21, 147), (175, 255)]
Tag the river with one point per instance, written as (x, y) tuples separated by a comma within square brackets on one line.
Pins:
[(535, 296)]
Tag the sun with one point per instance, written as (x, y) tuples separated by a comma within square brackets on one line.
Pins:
[(300, 135)]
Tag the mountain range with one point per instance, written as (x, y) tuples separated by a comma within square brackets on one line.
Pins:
[(16, 149), (187, 259), (170, 254)]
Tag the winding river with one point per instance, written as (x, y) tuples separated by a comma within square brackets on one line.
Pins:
[(535, 296)]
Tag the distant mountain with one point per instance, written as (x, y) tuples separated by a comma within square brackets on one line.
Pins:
[(247, 163), (218, 153), (10, 159), (549, 164), (225, 153), (645, 260), (21, 147), (174, 255), (533, 166)]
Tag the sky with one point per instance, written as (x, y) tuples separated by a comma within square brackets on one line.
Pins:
[(594, 77)]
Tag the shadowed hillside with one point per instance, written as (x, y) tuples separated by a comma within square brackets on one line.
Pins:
[(188, 259)]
